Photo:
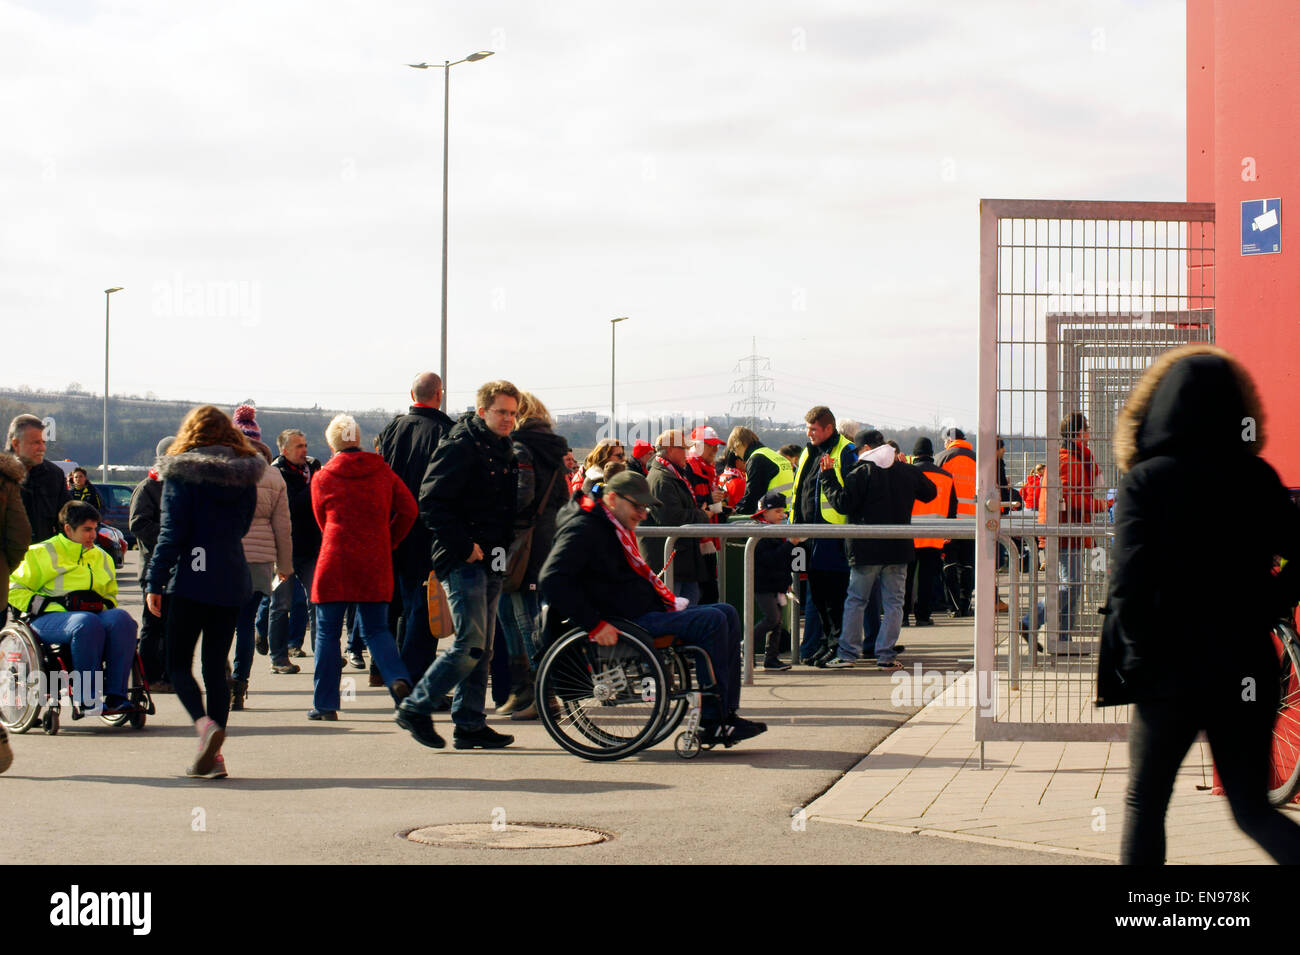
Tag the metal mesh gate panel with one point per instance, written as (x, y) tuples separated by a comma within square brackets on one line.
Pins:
[(1076, 301)]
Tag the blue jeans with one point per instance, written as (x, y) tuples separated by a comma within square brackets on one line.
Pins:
[(871, 618), (297, 614), (811, 643), (1069, 576), (304, 573), (372, 620), (690, 589), (355, 643), (474, 595), (862, 579), (418, 646), (279, 602), (107, 637), (520, 617), (715, 629)]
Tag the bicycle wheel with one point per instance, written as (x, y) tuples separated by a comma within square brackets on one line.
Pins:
[(610, 699), (20, 678), (1284, 760), (678, 672)]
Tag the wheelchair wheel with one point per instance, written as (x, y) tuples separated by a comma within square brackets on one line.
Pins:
[(611, 700), (1284, 758), (20, 678), (135, 693), (50, 721), (678, 672)]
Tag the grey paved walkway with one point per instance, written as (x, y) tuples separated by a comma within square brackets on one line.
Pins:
[(1051, 797)]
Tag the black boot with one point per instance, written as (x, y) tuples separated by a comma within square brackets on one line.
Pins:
[(238, 691)]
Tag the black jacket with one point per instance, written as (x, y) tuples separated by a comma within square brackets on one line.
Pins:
[(1198, 520), (676, 508), (540, 452), (759, 472), (773, 560), (875, 494), (468, 496), (407, 444), (45, 491), (302, 522), (587, 577), (144, 520)]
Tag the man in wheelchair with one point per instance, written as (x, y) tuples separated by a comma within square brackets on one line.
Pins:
[(595, 571), (68, 588)]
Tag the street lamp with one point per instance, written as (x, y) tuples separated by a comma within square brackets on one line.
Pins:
[(446, 103), (613, 323), (104, 467)]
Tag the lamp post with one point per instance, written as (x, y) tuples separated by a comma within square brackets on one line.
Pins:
[(108, 292), (613, 326), (446, 110)]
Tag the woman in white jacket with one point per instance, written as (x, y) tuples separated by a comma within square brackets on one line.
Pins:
[(268, 548)]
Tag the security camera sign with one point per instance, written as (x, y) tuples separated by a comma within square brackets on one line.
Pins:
[(1261, 226)]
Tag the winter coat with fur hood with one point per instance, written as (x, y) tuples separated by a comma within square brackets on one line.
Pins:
[(1199, 518), (270, 538), (15, 529), (208, 501)]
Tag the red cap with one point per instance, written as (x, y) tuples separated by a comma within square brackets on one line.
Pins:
[(707, 435), (641, 448)]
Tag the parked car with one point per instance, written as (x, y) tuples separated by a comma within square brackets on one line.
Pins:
[(110, 540), (117, 508)]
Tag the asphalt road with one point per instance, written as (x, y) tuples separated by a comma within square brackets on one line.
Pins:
[(306, 792)]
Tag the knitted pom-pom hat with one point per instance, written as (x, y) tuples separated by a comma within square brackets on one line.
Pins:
[(245, 420)]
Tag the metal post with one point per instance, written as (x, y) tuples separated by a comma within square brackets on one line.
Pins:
[(747, 633), (108, 292), (446, 112), (669, 543), (613, 430), (722, 572), (108, 297)]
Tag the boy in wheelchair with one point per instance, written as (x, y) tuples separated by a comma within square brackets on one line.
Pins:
[(67, 587), (595, 571)]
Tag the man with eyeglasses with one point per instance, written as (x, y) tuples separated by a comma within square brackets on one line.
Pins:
[(595, 571), (467, 500)]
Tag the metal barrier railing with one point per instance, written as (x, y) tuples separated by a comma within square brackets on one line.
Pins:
[(964, 529)]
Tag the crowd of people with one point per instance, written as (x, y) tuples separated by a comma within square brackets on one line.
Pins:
[(492, 513), (264, 552)]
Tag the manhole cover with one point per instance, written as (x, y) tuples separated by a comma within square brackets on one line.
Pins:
[(511, 835)]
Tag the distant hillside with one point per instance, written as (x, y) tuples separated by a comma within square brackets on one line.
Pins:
[(136, 425)]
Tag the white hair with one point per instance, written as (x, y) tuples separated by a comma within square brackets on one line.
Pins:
[(343, 432)]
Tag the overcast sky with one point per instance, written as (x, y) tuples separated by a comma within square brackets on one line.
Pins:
[(264, 178)]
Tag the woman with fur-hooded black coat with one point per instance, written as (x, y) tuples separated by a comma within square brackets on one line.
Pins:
[(1199, 520), (210, 475)]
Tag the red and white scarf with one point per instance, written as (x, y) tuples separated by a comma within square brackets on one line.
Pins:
[(632, 552)]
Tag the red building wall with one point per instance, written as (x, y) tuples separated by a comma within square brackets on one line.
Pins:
[(1243, 143)]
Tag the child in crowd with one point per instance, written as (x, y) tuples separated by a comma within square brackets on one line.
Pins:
[(773, 560)]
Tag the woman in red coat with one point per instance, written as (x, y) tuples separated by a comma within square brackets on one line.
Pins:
[(364, 510)]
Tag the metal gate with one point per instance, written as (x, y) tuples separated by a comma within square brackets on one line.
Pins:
[(1076, 301)]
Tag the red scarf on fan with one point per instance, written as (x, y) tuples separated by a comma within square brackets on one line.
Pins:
[(671, 467), (632, 553)]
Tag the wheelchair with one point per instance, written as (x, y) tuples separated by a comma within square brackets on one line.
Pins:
[(34, 683), (605, 703)]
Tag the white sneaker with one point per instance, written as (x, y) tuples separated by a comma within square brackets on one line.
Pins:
[(839, 664)]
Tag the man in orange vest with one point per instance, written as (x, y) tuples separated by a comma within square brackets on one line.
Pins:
[(958, 459), (923, 573)]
